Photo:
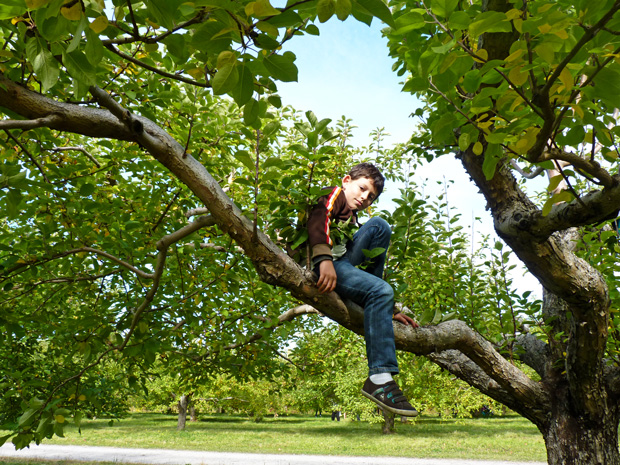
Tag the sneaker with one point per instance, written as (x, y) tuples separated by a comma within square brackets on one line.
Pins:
[(389, 397)]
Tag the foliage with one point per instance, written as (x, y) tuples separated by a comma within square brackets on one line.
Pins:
[(115, 136), (440, 275)]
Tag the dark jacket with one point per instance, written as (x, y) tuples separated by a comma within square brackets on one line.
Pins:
[(330, 207)]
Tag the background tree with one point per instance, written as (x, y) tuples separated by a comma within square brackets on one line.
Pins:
[(507, 83)]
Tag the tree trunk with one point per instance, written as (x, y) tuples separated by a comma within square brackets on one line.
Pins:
[(388, 425), (183, 402), (571, 440), (192, 413)]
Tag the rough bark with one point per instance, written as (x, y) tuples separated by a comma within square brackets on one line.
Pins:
[(182, 405), (388, 423)]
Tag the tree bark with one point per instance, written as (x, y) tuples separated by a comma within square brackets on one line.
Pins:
[(182, 404), (575, 439), (388, 424)]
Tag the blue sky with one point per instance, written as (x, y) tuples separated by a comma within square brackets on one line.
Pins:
[(346, 71)]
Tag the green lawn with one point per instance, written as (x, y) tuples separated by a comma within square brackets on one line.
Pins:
[(505, 438)]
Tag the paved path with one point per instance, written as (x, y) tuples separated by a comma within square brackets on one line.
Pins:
[(192, 457)]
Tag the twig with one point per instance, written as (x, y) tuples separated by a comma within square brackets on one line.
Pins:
[(196, 212), (25, 150), (524, 173), (165, 212), (142, 64), (79, 149)]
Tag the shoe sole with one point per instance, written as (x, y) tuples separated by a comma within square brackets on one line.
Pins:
[(396, 411)]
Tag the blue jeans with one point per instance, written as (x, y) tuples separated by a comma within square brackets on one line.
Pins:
[(366, 288)]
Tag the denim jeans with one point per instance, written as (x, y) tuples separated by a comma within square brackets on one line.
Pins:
[(366, 288)]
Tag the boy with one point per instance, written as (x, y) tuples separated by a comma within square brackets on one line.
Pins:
[(337, 269)]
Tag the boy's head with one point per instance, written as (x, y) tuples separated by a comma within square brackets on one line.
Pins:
[(362, 185)]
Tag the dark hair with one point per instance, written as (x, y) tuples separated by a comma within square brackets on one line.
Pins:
[(370, 171)]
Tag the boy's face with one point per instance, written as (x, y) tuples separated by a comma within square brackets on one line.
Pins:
[(360, 192)]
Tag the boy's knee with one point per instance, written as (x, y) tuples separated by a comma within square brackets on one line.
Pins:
[(385, 290), (382, 226)]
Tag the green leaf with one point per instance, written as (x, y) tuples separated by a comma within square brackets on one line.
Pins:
[(312, 30), (177, 48), (53, 29), (13, 200), (244, 157), (12, 8), (4, 439), (93, 48), (79, 67), (225, 79), (490, 21), (441, 49), (59, 429), (312, 119), (563, 196), (409, 22), (373, 253), (443, 7), (263, 8), (377, 9), (44, 64), (266, 42), (250, 112), (343, 9), (459, 20), (243, 92), (87, 189), (492, 157), (162, 11), (26, 418), (554, 182), (275, 100), (303, 237), (325, 9), (282, 67), (77, 35), (464, 141)]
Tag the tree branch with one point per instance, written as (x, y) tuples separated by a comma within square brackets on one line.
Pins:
[(78, 149), (456, 335), (28, 154), (144, 65), (287, 316), (43, 122)]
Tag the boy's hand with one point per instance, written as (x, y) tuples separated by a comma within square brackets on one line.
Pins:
[(406, 320), (328, 278)]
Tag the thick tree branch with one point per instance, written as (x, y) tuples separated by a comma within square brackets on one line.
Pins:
[(457, 335), (465, 369)]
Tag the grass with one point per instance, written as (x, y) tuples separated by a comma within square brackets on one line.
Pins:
[(500, 438)]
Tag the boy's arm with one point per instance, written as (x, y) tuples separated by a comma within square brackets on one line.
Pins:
[(319, 224), (320, 243)]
